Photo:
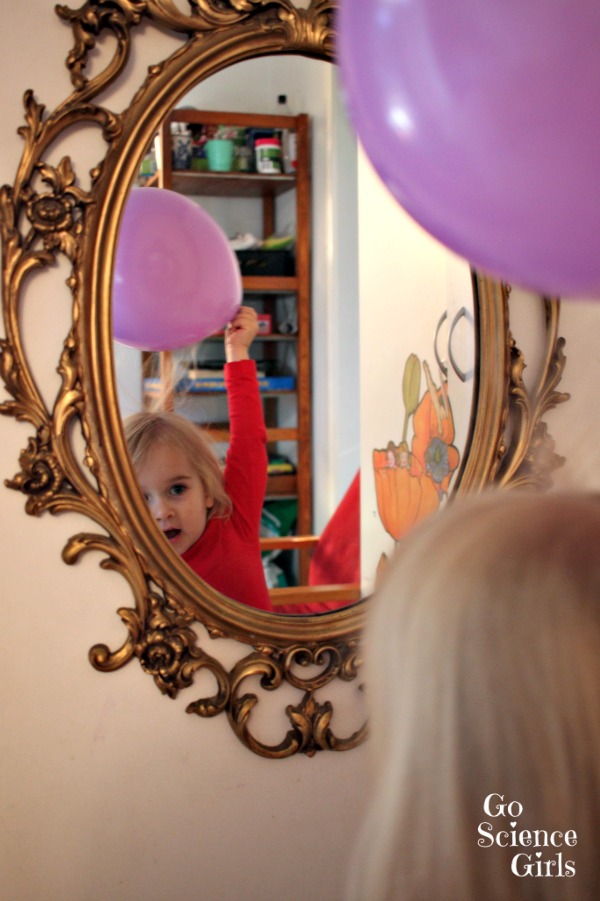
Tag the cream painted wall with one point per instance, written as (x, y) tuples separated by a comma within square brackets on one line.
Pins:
[(108, 789)]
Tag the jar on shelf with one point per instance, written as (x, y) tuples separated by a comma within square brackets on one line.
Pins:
[(243, 159), (288, 138), (268, 156), (181, 142)]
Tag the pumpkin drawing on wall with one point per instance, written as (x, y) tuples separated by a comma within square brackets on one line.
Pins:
[(411, 481)]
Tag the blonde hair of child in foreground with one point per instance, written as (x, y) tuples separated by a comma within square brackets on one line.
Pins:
[(482, 657)]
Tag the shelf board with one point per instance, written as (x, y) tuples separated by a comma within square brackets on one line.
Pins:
[(281, 434), (240, 120), (281, 485), (221, 434), (275, 336), (269, 284), (230, 184)]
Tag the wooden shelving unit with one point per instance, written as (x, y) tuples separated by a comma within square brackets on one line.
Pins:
[(266, 291)]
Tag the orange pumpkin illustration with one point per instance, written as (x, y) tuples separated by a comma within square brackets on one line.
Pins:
[(409, 484), (433, 436), (398, 489)]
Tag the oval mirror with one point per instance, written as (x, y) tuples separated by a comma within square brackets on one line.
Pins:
[(313, 322)]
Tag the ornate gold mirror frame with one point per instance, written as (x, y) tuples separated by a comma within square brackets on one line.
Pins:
[(46, 215)]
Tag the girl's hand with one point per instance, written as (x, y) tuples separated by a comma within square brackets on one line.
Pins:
[(240, 334)]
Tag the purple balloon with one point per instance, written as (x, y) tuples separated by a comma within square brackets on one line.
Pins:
[(482, 119), (176, 279)]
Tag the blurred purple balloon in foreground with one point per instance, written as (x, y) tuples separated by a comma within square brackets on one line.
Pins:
[(176, 279), (482, 119)]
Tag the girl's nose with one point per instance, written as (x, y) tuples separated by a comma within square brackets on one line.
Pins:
[(160, 508)]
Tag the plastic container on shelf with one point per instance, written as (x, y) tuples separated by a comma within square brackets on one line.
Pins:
[(268, 156), (219, 153), (290, 155)]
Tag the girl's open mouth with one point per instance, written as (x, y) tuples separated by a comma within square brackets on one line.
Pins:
[(171, 534)]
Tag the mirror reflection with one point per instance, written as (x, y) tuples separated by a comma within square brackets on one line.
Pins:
[(296, 231)]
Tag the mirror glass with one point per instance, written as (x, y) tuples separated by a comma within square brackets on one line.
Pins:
[(433, 339)]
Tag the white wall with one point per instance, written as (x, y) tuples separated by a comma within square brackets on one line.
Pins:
[(108, 789)]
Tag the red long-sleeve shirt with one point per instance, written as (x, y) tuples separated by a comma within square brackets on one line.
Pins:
[(227, 554)]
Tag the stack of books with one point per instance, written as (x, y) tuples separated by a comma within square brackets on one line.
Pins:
[(202, 381)]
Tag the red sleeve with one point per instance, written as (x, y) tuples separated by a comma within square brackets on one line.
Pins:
[(246, 461)]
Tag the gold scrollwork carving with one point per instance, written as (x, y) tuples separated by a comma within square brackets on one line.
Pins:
[(310, 720), (46, 214), (530, 457)]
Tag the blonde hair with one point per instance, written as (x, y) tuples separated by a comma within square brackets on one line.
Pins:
[(144, 430), (482, 656)]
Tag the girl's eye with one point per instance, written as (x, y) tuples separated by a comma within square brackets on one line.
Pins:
[(177, 489)]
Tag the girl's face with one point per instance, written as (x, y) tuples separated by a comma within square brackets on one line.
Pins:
[(175, 495)]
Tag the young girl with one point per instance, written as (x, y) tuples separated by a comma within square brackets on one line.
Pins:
[(211, 518)]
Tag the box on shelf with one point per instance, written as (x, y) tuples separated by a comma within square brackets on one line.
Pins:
[(277, 383), (265, 324), (266, 262)]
